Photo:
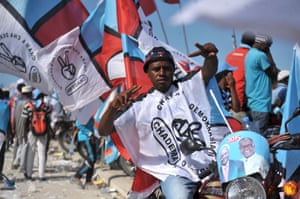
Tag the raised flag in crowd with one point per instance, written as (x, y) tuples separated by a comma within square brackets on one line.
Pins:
[(72, 69), (28, 25)]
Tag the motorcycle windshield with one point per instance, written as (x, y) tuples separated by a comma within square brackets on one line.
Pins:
[(243, 153)]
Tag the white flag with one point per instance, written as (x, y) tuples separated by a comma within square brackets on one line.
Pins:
[(72, 72)]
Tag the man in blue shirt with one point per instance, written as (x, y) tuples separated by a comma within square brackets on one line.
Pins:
[(87, 140), (4, 124), (260, 72)]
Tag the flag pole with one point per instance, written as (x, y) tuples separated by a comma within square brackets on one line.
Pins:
[(184, 33), (220, 109), (162, 25), (233, 37)]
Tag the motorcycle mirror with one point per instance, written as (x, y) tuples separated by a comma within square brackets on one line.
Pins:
[(295, 114), (189, 146), (290, 144)]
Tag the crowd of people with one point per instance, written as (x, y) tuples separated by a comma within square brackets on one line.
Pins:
[(19, 130), (17, 113), (260, 87), (172, 111)]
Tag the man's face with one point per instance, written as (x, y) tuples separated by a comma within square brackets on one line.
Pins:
[(161, 75), (224, 156), (247, 148)]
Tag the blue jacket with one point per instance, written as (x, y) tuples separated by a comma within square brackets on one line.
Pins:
[(85, 130), (4, 115)]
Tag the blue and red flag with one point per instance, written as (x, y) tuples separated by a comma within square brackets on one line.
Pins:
[(28, 25), (72, 68)]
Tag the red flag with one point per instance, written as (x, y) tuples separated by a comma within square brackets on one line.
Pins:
[(61, 21), (134, 62), (172, 1), (148, 6), (117, 42), (35, 24)]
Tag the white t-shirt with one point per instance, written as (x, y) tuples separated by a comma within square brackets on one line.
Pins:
[(154, 126)]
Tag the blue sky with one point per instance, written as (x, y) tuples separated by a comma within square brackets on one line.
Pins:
[(200, 32), (203, 32)]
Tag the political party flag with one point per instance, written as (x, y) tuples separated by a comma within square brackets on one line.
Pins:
[(122, 61), (26, 26), (72, 69), (129, 19), (291, 103), (134, 62)]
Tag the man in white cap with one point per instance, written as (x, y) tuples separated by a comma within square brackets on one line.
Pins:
[(13, 104), (278, 95), (20, 139)]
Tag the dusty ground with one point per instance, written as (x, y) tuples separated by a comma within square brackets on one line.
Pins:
[(60, 168)]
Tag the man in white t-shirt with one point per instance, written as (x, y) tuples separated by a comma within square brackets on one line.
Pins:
[(153, 126)]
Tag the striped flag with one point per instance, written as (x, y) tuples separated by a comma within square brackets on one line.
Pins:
[(134, 62), (71, 65), (26, 26)]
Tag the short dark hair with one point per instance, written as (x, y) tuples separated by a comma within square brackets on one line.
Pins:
[(248, 38), (222, 74)]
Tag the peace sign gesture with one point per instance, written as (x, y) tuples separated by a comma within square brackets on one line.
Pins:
[(124, 98)]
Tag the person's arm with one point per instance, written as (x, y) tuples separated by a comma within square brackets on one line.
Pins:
[(234, 96), (272, 70), (122, 100), (209, 67), (209, 52)]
